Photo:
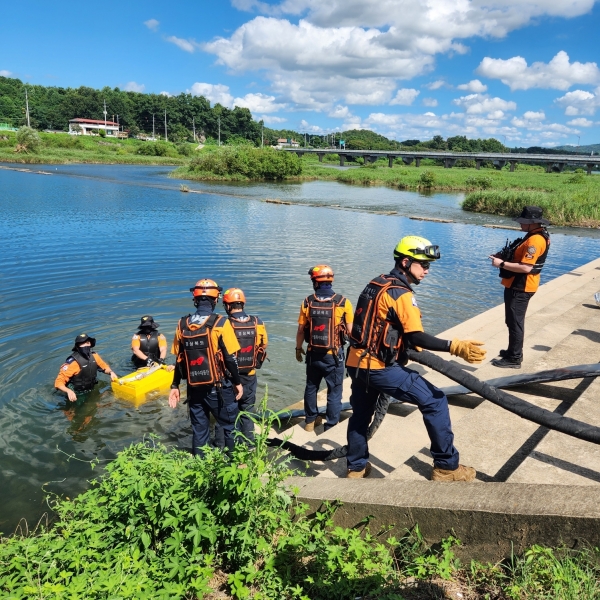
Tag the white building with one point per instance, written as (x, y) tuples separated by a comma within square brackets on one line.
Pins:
[(92, 127)]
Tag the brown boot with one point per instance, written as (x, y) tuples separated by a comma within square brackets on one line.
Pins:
[(462, 473), (311, 426), (359, 474)]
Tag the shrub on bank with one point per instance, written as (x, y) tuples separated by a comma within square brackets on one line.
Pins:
[(28, 140), (244, 162)]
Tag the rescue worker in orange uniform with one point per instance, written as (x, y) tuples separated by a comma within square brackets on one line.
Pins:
[(148, 345), (78, 373), (387, 321), (251, 334), (520, 265), (325, 322), (206, 347)]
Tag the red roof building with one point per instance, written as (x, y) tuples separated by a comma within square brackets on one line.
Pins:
[(93, 127)]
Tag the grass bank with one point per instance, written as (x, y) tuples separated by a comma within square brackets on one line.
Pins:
[(162, 524), (59, 148)]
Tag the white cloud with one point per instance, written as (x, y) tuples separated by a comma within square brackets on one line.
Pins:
[(152, 24), (580, 102), (215, 93), (558, 74), (581, 122), (374, 44), (531, 115), (270, 119), (186, 45), (477, 104), (132, 86), (340, 112), (429, 102), (5, 73), (473, 86), (405, 97), (435, 85), (167, 94), (258, 103)]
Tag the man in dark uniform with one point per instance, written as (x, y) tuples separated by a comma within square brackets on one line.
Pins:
[(205, 346), (77, 374), (387, 320), (324, 322), (520, 265)]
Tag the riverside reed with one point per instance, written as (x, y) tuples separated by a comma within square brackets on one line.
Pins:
[(161, 524)]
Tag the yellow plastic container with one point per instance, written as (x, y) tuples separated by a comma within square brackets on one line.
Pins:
[(137, 385)]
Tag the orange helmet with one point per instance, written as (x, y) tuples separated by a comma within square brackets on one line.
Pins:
[(206, 288), (321, 273), (234, 295)]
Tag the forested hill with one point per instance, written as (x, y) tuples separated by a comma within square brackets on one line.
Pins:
[(52, 107)]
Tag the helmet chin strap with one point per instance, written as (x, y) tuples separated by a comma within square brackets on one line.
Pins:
[(411, 278)]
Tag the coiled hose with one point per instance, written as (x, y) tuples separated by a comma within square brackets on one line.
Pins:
[(508, 402)]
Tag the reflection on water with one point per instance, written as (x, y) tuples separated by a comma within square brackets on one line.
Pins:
[(92, 248)]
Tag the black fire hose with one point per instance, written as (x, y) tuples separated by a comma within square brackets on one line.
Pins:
[(515, 405), (508, 402)]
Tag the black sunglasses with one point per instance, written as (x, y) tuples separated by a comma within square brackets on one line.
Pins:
[(425, 264)]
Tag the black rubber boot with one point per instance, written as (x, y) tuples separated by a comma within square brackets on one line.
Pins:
[(504, 363)]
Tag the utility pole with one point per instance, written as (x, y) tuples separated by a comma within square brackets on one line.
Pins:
[(27, 108), (219, 121), (194, 127), (262, 134), (105, 115), (166, 134), (153, 135), (118, 128)]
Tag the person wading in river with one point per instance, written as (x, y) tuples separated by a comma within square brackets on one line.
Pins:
[(325, 321), (520, 265), (78, 373), (148, 345), (206, 346), (387, 320)]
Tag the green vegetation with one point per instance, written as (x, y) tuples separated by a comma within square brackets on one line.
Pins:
[(160, 523), (241, 163), (56, 148)]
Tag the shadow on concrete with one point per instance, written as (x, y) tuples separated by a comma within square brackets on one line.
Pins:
[(517, 459), (593, 336), (566, 466)]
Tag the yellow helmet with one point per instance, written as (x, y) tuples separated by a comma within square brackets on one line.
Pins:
[(416, 247)]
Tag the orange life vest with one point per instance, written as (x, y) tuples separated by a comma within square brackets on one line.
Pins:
[(202, 361), (321, 332)]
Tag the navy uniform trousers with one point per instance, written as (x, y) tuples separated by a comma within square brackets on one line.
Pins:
[(246, 403), (406, 385), (321, 366), (204, 400)]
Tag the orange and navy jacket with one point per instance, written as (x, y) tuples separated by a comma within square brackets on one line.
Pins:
[(527, 253), (70, 368), (343, 313), (398, 306), (262, 339), (221, 335)]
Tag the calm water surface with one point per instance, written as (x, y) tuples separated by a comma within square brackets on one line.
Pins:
[(92, 248)]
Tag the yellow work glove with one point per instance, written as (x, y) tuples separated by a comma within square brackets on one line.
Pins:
[(469, 350), (299, 353)]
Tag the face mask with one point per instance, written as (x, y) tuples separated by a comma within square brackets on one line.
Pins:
[(85, 351)]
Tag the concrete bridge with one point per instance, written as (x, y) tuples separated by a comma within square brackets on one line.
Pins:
[(553, 162)]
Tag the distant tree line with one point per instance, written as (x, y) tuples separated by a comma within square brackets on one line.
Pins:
[(53, 107)]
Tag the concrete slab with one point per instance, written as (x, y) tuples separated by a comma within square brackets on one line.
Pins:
[(491, 520)]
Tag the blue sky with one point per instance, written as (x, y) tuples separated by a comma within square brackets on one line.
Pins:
[(523, 71)]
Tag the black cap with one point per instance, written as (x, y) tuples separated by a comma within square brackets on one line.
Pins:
[(532, 214), (147, 321), (84, 337)]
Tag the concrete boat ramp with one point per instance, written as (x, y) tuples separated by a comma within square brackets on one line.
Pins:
[(533, 485)]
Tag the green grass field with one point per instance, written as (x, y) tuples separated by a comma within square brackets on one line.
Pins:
[(57, 148)]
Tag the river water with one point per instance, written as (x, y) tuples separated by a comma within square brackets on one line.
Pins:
[(93, 248)]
